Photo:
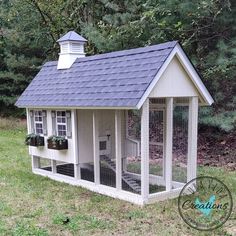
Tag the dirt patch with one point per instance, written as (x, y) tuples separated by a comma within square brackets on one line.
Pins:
[(216, 148)]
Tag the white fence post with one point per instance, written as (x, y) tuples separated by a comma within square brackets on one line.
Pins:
[(192, 138), (54, 166), (169, 143), (145, 151), (75, 143), (118, 148), (96, 156)]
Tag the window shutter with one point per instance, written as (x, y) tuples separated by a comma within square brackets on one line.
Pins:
[(54, 130), (32, 121), (44, 114), (68, 124)]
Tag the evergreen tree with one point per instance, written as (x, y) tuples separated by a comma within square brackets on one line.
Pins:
[(207, 30)]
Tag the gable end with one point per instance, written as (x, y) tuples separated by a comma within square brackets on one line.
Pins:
[(189, 69)]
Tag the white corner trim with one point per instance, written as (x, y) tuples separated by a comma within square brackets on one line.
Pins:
[(145, 151), (178, 51), (168, 147), (118, 151), (193, 75)]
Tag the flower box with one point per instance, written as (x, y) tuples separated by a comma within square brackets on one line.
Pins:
[(34, 140), (57, 143)]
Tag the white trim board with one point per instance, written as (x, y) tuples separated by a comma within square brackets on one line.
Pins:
[(78, 108), (190, 70)]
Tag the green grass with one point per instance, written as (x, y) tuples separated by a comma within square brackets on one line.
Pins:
[(38, 206)]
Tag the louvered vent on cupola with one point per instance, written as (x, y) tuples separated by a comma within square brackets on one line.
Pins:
[(71, 47), (64, 48)]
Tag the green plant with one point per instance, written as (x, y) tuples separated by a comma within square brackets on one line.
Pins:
[(57, 139), (31, 136)]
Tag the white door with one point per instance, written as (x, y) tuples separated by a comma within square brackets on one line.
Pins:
[(105, 145)]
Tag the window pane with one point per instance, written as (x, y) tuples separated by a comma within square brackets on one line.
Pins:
[(62, 133), (58, 113), (38, 125), (39, 128), (39, 131), (61, 127), (61, 123)]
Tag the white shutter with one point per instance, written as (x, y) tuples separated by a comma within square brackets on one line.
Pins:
[(32, 130), (54, 130), (68, 124), (44, 114)]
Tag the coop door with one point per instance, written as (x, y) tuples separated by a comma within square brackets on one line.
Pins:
[(105, 145)]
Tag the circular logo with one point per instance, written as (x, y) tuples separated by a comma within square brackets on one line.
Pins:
[(205, 203)]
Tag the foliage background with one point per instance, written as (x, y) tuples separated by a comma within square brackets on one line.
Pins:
[(206, 29)]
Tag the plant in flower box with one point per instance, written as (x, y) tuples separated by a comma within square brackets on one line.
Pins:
[(34, 140), (57, 142)]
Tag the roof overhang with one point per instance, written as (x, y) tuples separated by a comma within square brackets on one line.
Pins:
[(81, 108), (206, 98)]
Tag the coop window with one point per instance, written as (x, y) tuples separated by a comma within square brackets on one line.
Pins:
[(102, 145), (61, 123), (38, 122)]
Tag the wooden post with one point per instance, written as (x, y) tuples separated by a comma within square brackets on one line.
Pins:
[(126, 135), (35, 162), (75, 143), (126, 124), (145, 151), (96, 156), (192, 138), (54, 166), (118, 149), (168, 143)]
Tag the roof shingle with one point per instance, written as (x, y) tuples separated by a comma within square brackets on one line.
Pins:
[(117, 79), (72, 36)]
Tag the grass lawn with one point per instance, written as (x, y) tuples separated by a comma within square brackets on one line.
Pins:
[(34, 205)]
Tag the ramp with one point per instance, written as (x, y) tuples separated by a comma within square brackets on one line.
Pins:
[(125, 177)]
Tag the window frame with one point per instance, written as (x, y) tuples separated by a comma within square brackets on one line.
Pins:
[(37, 121), (61, 123)]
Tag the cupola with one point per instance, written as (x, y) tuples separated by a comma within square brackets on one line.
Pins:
[(71, 47)]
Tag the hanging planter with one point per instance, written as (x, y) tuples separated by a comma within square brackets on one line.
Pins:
[(34, 140), (57, 142)]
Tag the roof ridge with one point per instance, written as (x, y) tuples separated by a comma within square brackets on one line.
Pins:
[(120, 53), (127, 52)]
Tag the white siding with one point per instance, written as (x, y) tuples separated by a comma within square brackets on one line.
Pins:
[(62, 155), (106, 125), (174, 82), (85, 135)]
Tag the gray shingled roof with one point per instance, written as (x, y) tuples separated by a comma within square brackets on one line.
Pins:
[(117, 79), (72, 36)]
